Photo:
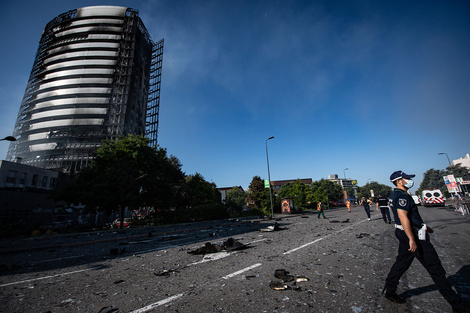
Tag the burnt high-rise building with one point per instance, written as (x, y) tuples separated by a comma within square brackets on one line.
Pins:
[(96, 76)]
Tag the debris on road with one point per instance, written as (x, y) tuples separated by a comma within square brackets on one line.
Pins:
[(248, 277), (278, 285), (274, 227), (342, 222), (283, 278), (108, 309), (229, 245), (208, 248), (232, 244), (284, 275), (169, 271), (301, 279)]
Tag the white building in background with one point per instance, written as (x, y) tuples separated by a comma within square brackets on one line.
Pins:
[(344, 182), (464, 162)]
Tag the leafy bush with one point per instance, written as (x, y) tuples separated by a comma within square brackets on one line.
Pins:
[(212, 211)]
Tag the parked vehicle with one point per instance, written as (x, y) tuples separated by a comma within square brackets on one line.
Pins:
[(126, 224), (433, 197)]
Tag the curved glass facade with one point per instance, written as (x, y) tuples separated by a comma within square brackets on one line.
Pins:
[(96, 76)]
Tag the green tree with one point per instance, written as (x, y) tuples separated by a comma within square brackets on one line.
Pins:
[(126, 173), (459, 171), (433, 179), (199, 191), (300, 192), (235, 200), (325, 190), (379, 189), (258, 196), (321, 195)]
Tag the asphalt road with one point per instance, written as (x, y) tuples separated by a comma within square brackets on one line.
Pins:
[(345, 259)]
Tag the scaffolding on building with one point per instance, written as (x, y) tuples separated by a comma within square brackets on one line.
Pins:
[(153, 103), (132, 102)]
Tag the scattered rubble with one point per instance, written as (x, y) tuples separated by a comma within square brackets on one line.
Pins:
[(284, 275), (283, 278), (108, 309), (169, 271), (278, 285), (229, 245), (342, 222), (275, 227)]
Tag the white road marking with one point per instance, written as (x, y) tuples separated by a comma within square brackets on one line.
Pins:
[(306, 245), (51, 276), (246, 269), (319, 239), (156, 304)]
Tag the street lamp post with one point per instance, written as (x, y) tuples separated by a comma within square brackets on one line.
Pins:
[(441, 153), (269, 177), (344, 172)]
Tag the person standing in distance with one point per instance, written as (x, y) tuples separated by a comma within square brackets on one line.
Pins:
[(382, 204), (366, 203), (413, 242), (321, 210)]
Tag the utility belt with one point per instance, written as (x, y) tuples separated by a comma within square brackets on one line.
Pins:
[(420, 232)]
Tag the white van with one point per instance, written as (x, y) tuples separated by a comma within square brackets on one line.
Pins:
[(433, 197)]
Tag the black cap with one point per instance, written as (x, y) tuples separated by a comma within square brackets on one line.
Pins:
[(399, 175)]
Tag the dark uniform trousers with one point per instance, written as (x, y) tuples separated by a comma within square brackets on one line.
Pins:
[(427, 255), (385, 213)]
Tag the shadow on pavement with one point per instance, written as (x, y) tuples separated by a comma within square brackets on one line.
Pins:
[(460, 280)]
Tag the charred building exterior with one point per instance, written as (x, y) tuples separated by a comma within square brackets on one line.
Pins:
[(96, 76)]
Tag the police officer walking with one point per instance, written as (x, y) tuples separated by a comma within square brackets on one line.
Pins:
[(413, 238), (382, 204)]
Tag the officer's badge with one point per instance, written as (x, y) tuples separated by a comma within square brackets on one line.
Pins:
[(402, 202)]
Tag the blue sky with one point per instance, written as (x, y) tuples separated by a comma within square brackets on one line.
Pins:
[(372, 86)]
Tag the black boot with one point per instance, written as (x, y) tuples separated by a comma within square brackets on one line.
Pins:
[(392, 296)]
